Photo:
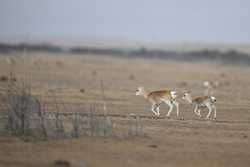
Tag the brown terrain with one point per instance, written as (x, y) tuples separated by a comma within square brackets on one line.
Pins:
[(173, 142)]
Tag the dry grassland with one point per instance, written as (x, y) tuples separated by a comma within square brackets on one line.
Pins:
[(168, 142)]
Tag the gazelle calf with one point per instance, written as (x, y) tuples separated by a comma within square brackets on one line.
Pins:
[(201, 101), (156, 98)]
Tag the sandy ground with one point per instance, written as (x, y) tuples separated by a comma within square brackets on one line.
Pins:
[(167, 142)]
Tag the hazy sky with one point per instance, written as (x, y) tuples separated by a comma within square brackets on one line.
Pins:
[(146, 20)]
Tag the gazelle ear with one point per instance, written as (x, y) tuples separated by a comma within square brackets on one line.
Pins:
[(139, 89)]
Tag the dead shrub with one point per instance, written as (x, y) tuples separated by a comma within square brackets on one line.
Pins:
[(61, 163), (226, 83), (183, 84), (223, 75), (67, 163), (60, 64), (82, 90), (23, 110), (4, 78), (131, 77), (94, 73)]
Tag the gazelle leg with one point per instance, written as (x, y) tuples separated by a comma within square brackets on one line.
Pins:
[(153, 109), (214, 107), (158, 109), (209, 110), (195, 110), (177, 107), (170, 107), (199, 112)]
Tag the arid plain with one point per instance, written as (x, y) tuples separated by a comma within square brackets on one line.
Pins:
[(188, 141)]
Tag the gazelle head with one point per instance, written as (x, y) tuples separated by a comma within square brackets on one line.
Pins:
[(187, 96), (213, 99), (140, 91)]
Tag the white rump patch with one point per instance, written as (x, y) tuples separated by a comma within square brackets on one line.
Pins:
[(173, 94)]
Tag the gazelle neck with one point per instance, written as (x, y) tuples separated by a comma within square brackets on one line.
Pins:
[(190, 99), (144, 94)]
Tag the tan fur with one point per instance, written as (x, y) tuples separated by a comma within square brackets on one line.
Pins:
[(160, 94), (158, 97), (201, 101)]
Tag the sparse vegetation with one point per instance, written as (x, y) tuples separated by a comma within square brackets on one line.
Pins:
[(27, 116), (151, 141), (22, 107), (82, 90), (59, 64), (131, 77), (4, 78)]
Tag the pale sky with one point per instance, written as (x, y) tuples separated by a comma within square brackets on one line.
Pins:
[(144, 20)]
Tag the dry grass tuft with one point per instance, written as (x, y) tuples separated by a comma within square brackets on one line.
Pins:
[(4, 78), (82, 90), (131, 77), (94, 73), (60, 64)]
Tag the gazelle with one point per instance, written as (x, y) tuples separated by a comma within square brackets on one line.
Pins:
[(210, 86), (156, 98), (200, 102)]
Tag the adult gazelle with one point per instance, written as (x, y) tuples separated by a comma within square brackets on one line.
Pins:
[(156, 98)]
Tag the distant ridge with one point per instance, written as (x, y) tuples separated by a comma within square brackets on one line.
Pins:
[(224, 57)]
